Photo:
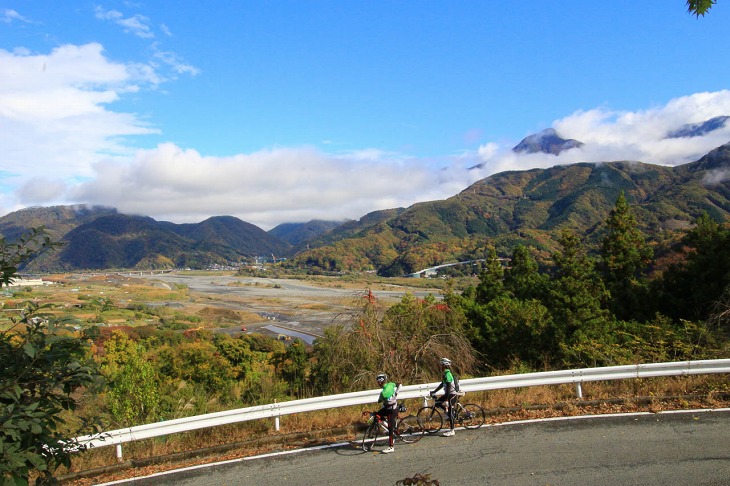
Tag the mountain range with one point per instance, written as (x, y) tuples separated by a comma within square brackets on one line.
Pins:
[(528, 207), (505, 209)]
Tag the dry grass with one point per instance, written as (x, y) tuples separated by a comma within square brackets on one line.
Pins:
[(299, 430)]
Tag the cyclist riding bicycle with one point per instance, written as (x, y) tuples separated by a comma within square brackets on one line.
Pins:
[(450, 396), (389, 411)]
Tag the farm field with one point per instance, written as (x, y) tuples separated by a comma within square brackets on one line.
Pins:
[(219, 301)]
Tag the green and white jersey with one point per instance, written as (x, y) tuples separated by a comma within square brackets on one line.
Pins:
[(389, 396), (448, 382)]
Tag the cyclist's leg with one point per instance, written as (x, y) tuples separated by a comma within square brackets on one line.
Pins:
[(451, 411), (392, 417)]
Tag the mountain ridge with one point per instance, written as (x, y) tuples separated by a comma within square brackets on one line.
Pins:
[(504, 209), (531, 207)]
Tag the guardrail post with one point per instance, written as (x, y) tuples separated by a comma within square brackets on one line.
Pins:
[(119, 453), (276, 420), (579, 390)]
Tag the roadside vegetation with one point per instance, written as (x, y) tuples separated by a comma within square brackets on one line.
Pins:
[(106, 352)]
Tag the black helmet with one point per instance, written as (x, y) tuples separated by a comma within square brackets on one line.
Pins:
[(381, 377)]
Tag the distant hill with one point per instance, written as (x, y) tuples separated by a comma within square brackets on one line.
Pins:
[(101, 238), (528, 207), (58, 220), (297, 233)]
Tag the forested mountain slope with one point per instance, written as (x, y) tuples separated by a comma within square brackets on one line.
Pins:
[(530, 207)]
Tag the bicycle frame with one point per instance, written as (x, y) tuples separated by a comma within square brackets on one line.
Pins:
[(407, 429), (467, 415)]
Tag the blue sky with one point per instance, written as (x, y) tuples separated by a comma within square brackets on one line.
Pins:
[(286, 111)]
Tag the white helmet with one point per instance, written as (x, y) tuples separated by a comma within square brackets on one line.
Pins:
[(381, 377), (446, 361)]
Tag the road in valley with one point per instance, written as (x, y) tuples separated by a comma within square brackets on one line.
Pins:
[(687, 448)]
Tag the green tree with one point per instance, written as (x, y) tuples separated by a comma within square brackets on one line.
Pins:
[(43, 363), (293, 366), (690, 289), (511, 332), (133, 395), (199, 363), (577, 299), (491, 285), (523, 278), (625, 256), (237, 352)]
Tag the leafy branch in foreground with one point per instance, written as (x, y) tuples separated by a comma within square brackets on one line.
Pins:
[(699, 7), (14, 255), (44, 364)]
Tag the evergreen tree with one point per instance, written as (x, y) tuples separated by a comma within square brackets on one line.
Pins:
[(576, 300), (491, 278), (523, 278), (689, 290), (625, 256)]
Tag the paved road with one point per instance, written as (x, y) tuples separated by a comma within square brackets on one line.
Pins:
[(691, 448)]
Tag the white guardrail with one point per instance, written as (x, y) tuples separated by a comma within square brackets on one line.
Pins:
[(276, 410)]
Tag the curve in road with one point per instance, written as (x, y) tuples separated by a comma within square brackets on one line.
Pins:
[(690, 447)]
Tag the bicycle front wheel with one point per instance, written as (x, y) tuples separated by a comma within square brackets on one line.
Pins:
[(409, 430), (470, 415), (370, 436), (430, 420)]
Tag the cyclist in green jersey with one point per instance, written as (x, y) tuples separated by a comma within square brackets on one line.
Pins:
[(389, 411), (448, 399)]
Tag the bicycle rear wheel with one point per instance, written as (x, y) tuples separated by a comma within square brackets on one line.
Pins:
[(409, 430), (370, 436), (430, 420), (470, 415)]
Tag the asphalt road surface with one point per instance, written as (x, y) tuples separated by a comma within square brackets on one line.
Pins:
[(666, 449)]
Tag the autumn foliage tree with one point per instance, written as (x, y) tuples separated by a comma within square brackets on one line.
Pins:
[(405, 341)]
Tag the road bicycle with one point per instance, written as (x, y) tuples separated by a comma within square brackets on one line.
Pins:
[(407, 429), (468, 415)]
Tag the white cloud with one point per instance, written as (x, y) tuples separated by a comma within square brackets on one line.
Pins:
[(263, 188), (635, 136), (141, 26), (8, 16), (137, 25), (715, 177), (173, 61), (55, 116)]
